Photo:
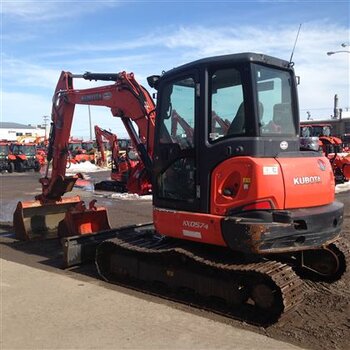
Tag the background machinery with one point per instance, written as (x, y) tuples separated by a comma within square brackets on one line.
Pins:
[(122, 162), (80, 151), (25, 156), (7, 160), (106, 144), (318, 137), (238, 212)]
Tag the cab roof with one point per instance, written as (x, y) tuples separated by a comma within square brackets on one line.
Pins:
[(229, 59)]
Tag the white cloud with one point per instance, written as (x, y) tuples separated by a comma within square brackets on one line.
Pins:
[(322, 76), (46, 10), (22, 74), (24, 107)]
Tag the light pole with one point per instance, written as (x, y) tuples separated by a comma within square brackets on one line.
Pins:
[(333, 52), (329, 53), (46, 118), (90, 122)]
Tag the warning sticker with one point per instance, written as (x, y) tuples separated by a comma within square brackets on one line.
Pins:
[(270, 170)]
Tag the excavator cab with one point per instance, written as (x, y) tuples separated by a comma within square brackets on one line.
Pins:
[(248, 186)]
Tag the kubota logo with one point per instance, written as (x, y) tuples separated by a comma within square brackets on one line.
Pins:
[(306, 180)]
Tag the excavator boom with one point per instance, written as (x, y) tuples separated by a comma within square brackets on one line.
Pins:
[(48, 214), (112, 140)]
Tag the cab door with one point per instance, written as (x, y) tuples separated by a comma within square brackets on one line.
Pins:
[(176, 179)]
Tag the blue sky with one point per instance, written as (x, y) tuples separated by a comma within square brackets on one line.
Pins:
[(41, 38)]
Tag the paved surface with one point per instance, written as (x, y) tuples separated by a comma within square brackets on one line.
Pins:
[(41, 309)]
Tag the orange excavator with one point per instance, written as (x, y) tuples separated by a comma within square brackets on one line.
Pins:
[(241, 215), (51, 215), (111, 140), (122, 164)]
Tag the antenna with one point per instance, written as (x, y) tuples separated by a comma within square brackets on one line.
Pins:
[(295, 43)]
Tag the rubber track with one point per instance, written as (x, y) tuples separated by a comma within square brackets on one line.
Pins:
[(281, 275), (344, 249)]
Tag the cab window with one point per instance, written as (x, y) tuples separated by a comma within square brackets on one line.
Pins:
[(177, 179), (274, 88), (227, 115), (178, 112)]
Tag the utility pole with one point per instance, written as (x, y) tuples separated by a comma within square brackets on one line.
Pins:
[(90, 127), (46, 118)]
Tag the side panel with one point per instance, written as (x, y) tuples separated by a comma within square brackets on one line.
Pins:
[(197, 227), (308, 182), (240, 181)]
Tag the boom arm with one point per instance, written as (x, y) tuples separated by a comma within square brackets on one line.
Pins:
[(111, 138), (177, 119), (126, 99)]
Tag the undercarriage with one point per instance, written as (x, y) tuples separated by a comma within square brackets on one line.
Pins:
[(257, 289)]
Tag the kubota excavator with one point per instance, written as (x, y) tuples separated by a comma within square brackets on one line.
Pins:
[(122, 164), (105, 138), (237, 212)]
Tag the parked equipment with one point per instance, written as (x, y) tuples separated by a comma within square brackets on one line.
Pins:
[(26, 158), (105, 141), (122, 162), (233, 212), (318, 137), (7, 160), (78, 151)]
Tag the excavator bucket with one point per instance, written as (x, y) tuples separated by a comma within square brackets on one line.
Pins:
[(80, 221), (69, 217), (34, 220)]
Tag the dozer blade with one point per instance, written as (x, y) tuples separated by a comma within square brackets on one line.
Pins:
[(82, 249), (34, 220)]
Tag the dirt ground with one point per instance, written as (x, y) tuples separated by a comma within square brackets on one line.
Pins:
[(322, 321)]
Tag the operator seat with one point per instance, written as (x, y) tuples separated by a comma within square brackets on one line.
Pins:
[(282, 117), (238, 123)]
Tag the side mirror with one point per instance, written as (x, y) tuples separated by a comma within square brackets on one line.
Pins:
[(153, 81)]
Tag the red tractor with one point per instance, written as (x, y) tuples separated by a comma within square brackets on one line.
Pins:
[(7, 159), (77, 152), (317, 137), (26, 156)]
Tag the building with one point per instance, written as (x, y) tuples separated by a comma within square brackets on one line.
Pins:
[(12, 131), (339, 127)]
